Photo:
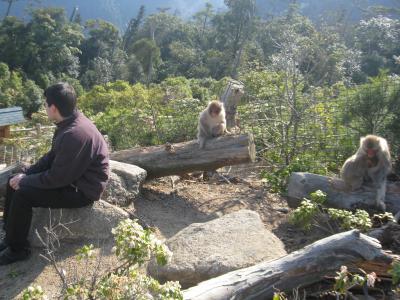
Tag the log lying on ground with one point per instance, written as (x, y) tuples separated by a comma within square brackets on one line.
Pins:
[(302, 184), (298, 269), (186, 157), (388, 235)]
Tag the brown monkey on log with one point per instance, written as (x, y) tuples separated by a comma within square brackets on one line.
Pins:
[(371, 163), (212, 122)]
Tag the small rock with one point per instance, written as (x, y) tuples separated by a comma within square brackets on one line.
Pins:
[(124, 184)]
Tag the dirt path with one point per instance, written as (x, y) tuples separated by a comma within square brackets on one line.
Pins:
[(171, 208)]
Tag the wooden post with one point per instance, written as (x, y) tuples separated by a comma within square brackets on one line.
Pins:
[(231, 97), (5, 133), (38, 129)]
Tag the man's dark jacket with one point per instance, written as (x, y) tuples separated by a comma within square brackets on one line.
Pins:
[(78, 157)]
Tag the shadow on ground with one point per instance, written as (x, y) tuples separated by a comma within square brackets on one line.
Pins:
[(16, 277), (169, 212)]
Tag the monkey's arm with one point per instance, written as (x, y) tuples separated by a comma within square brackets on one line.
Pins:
[(219, 128), (204, 129)]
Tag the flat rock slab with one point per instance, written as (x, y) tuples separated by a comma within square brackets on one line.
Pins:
[(124, 184), (87, 223), (205, 250)]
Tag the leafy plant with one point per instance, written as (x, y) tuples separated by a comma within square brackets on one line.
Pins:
[(133, 247), (277, 178), (348, 220), (395, 272), (279, 296), (34, 293), (345, 280), (314, 213)]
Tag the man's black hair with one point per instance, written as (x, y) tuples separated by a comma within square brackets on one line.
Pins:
[(63, 96)]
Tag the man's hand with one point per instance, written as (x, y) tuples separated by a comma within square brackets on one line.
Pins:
[(14, 182)]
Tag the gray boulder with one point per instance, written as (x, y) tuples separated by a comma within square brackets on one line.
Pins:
[(87, 223), (124, 184), (205, 250)]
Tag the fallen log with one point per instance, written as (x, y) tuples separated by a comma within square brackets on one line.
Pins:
[(302, 184), (186, 157), (298, 269), (388, 235)]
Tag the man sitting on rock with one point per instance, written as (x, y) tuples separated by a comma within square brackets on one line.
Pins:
[(72, 174)]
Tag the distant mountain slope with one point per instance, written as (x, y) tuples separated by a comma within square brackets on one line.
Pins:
[(119, 12), (315, 8)]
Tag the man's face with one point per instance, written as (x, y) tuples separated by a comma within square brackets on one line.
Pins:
[(50, 110)]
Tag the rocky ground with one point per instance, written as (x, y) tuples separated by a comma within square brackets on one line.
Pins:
[(169, 205)]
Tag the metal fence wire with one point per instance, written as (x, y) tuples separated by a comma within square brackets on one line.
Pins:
[(322, 127)]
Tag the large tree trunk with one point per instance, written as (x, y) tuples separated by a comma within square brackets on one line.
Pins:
[(231, 98), (302, 184), (300, 268), (187, 157)]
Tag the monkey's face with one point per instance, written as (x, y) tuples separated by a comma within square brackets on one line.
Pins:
[(371, 153), (371, 148), (214, 110)]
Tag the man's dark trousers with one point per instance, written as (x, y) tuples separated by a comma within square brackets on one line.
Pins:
[(18, 209)]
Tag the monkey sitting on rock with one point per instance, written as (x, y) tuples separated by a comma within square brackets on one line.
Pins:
[(371, 163), (212, 122)]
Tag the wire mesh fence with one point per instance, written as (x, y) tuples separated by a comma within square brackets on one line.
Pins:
[(25, 145), (322, 126)]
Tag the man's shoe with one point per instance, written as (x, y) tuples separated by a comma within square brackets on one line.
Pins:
[(3, 245), (9, 256)]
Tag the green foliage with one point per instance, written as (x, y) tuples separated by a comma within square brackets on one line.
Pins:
[(377, 38), (318, 197), (216, 44), (305, 214), (277, 177), (313, 213), (17, 91), (301, 134), (279, 296), (34, 293), (148, 54), (138, 115), (395, 272), (381, 219), (134, 245), (345, 280), (86, 252), (360, 219), (133, 286), (368, 114)]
